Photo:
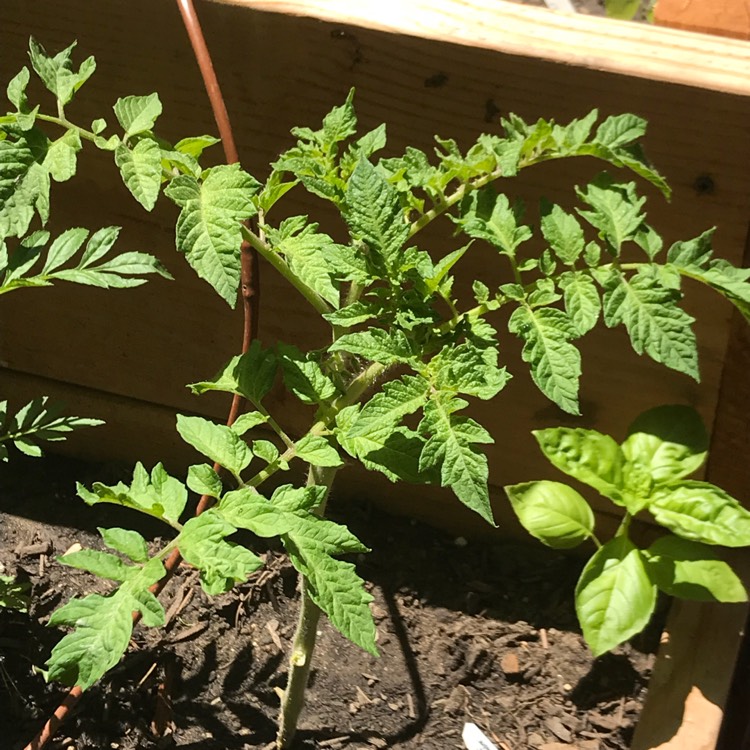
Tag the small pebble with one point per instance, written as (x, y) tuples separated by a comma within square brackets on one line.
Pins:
[(460, 541)]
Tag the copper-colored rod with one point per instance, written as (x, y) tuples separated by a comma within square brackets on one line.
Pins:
[(250, 299)]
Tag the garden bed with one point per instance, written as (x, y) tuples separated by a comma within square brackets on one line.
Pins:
[(467, 632)]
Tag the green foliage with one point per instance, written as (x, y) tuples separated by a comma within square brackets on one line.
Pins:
[(616, 593), (39, 420), (406, 356)]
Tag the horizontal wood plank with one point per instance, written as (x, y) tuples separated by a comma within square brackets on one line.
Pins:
[(637, 50)]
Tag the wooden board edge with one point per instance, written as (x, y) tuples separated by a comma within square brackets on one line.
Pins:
[(637, 50)]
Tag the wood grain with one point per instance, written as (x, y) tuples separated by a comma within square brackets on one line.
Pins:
[(145, 344), (638, 50)]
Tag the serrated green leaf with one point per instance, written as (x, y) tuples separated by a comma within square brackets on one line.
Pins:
[(555, 362), (582, 302), (101, 564), (586, 455), (393, 452), (670, 442), (333, 584), (316, 450), (157, 494), (60, 159), (103, 626), (655, 324), (126, 541), (701, 512), (63, 248), (247, 509), (489, 216), (14, 594), (620, 130), (250, 375), (208, 228), (376, 345), (309, 254), (218, 442), (386, 408), (221, 563), (614, 595), (552, 512), (470, 369), (140, 168), (690, 570), (450, 447), (103, 629), (303, 375), (294, 499), (57, 72), (137, 114), (373, 213), (616, 210), (16, 90), (203, 480), (354, 314), (563, 232), (248, 421)]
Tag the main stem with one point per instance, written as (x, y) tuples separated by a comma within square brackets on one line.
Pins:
[(304, 638)]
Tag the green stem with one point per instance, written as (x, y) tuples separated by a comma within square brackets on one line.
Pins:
[(304, 638), (451, 200), (63, 122), (320, 305)]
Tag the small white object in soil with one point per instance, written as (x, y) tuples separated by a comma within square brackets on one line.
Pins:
[(460, 541), (475, 739)]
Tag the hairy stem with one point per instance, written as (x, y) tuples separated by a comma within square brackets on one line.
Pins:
[(304, 637), (320, 305)]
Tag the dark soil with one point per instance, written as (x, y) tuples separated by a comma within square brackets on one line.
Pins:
[(467, 632)]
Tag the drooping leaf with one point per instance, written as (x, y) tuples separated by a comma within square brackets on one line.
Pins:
[(654, 322), (208, 228), (450, 447), (218, 442), (140, 168), (552, 512), (333, 584), (156, 494), (555, 362), (614, 595), (690, 570)]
